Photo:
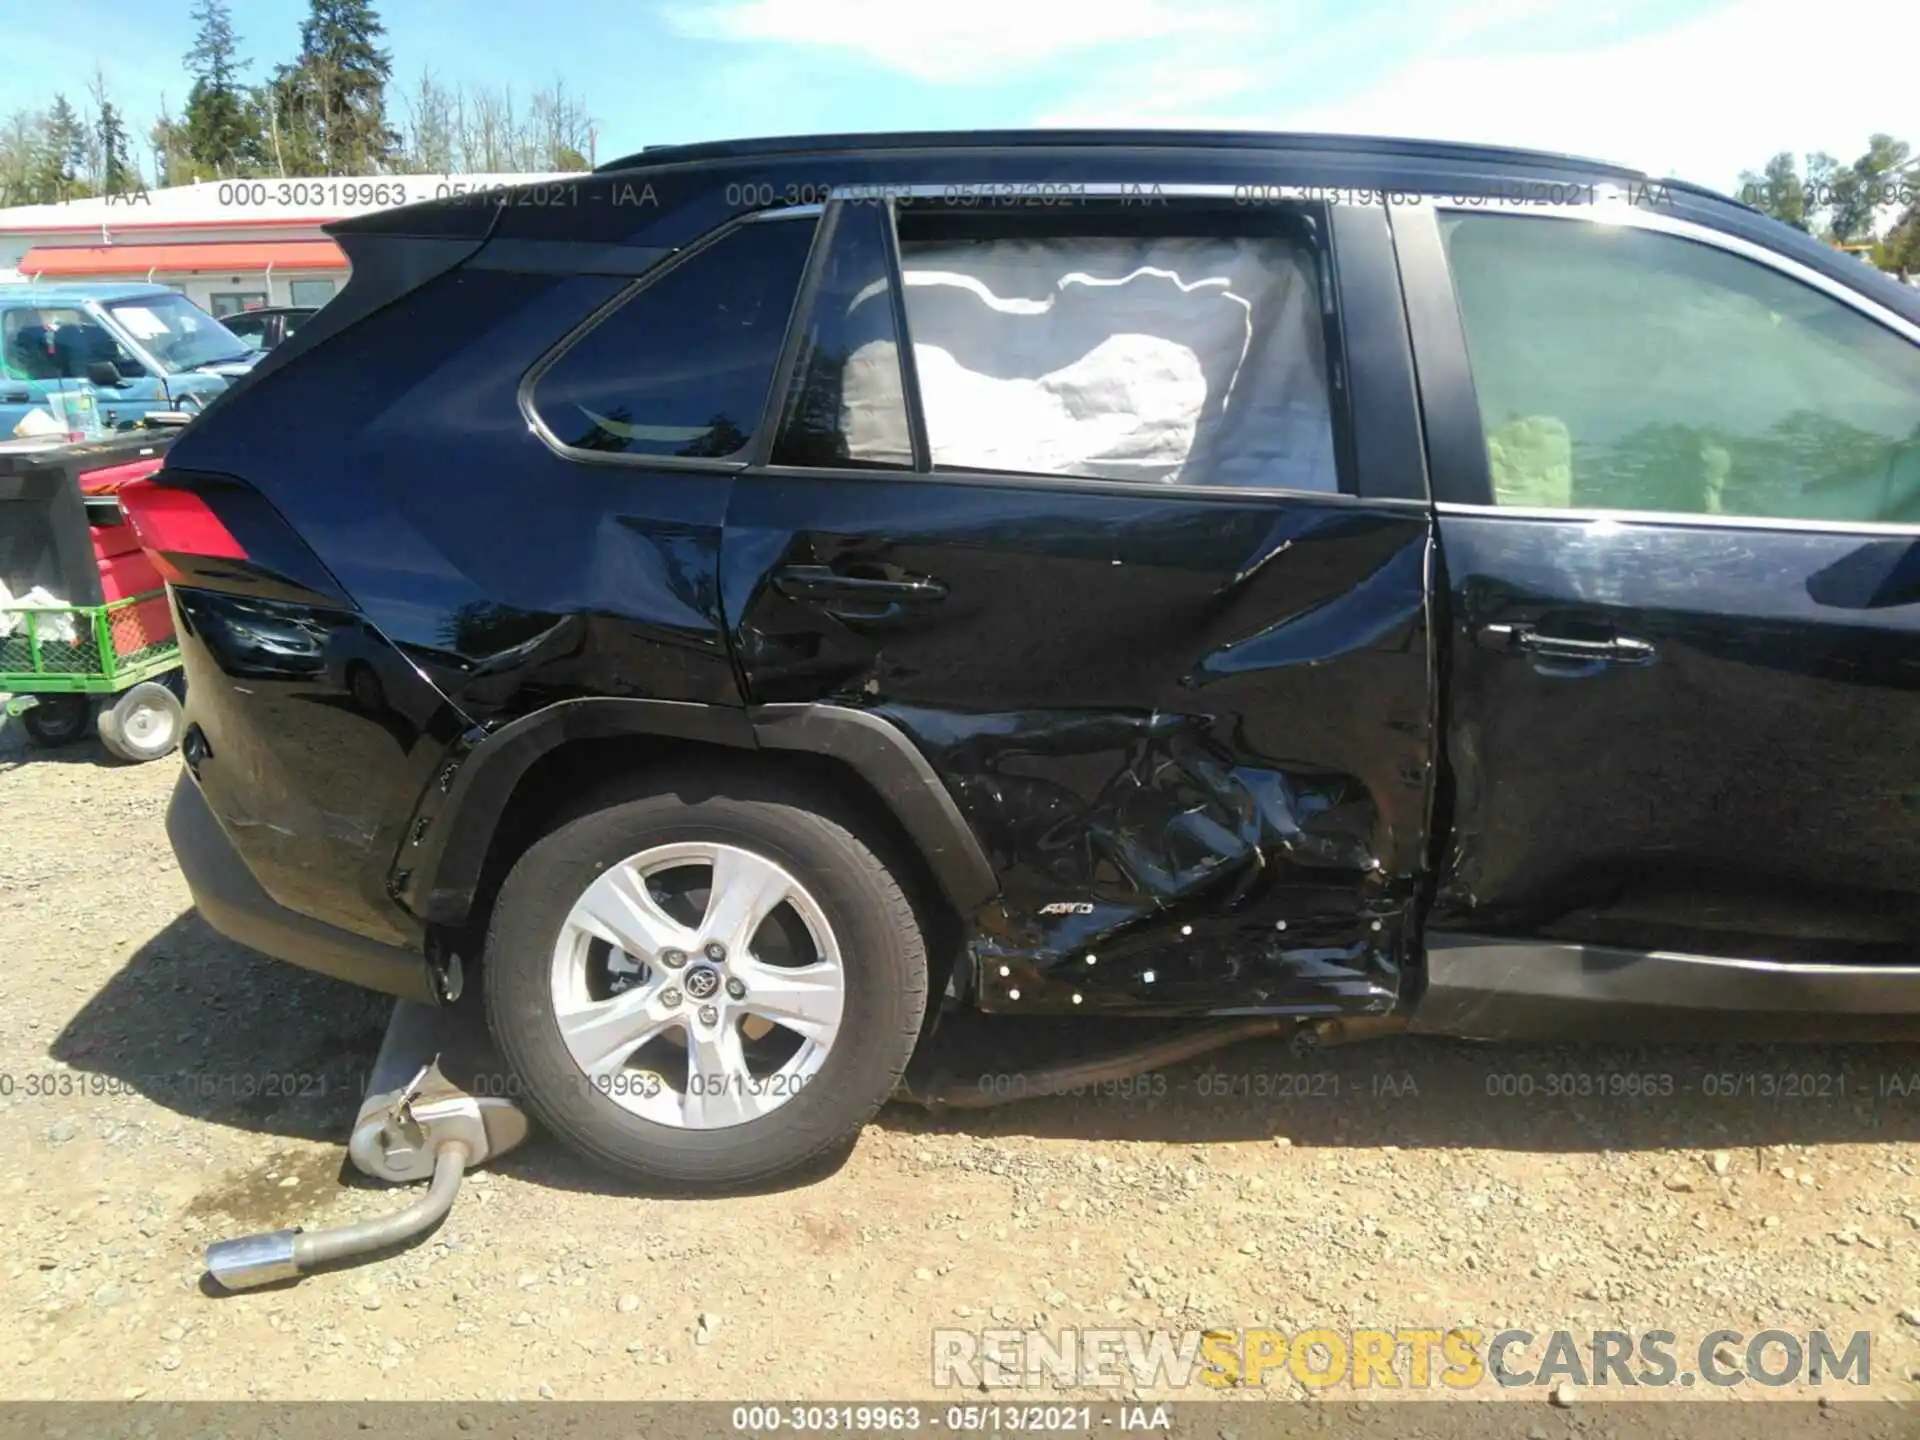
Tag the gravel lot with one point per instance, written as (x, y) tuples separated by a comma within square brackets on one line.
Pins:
[(1396, 1185)]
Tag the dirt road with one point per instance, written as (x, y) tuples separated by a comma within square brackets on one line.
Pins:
[(161, 1088)]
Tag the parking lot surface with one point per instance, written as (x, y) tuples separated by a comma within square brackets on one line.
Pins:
[(161, 1088)]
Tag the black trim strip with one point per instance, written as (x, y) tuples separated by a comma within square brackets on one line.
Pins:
[(444, 868), (774, 414), (1450, 409), (1490, 988), (902, 777), (568, 257), (437, 878), (1158, 489), (1384, 400), (909, 363)]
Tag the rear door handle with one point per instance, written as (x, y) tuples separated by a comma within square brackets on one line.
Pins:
[(857, 599), (18, 397), (821, 584), (1618, 650)]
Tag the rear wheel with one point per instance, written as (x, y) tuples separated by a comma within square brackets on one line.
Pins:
[(705, 989), (143, 723), (57, 719)]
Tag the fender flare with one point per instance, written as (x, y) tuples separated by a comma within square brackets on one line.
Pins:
[(437, 871)]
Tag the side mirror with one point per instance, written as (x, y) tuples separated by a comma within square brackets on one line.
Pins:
[(105, 374)]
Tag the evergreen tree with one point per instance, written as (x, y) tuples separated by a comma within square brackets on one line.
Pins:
[(118, 175), (332, 100), (218, 133), (62, 159)]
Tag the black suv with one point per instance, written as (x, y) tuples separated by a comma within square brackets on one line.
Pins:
[(265, 328), (759, 595)]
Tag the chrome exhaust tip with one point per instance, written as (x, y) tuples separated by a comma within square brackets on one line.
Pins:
[(254, 1260), (414, 1124)]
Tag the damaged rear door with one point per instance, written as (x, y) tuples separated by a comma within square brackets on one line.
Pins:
[(1131, 540)]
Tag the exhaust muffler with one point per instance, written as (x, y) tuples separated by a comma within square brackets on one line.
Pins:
[(422, 1128)]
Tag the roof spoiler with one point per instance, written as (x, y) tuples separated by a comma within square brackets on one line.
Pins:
[(387, 263)]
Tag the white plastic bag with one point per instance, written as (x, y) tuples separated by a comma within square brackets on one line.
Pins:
[(63, 625)]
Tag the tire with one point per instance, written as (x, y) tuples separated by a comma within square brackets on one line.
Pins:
[(365, 688), (143, 723), (57, 719), (652, 1114)]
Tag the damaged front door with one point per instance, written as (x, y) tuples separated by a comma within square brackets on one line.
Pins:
[(1094, 541)]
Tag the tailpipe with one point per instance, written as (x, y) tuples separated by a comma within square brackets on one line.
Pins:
[(256, 1260), (423, 1128)]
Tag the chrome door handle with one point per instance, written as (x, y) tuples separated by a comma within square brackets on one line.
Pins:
[(1618, 650), (822, 582), (857, 599)]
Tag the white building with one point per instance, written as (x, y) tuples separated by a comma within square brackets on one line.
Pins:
[(227, 244)]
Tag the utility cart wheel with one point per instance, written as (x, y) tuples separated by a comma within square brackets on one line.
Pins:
[(143, 723), (58, 719)]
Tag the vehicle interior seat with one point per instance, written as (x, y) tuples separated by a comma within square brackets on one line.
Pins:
[(78, 346), (28, 354)]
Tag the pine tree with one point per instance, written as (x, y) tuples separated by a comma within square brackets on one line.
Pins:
[(63, 153), (219, 133), (118, 176), (332, 100)]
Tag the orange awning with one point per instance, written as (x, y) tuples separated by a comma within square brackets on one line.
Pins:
[(54, 261)]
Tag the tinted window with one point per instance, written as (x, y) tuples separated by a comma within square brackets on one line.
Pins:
[(1196, 357), (846, 405), (682, 368), (1624, 369)]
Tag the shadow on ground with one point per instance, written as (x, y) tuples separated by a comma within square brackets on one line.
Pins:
[(16, 750), (216, 1032)]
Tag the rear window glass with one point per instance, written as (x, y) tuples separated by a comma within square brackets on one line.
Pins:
[(1184, 358), (682, 367)]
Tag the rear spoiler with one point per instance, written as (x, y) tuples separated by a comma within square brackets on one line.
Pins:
[(392, 253)]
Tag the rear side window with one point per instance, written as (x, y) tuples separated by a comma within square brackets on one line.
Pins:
[(1618, 368), (683, 366), (1099, 347)]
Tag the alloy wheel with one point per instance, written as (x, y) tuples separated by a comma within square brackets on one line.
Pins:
[(698, 985)]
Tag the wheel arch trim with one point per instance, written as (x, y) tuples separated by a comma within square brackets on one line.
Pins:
[(437, 871)]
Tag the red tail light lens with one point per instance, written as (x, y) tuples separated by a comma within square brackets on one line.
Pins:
[(178, 522)]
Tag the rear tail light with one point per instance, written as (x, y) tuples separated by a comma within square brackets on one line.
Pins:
[(217, 532), (173, 522)]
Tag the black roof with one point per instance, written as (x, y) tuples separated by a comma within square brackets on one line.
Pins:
[(780, 145)]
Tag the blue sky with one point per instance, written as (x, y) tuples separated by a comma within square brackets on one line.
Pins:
[(1699, 88)]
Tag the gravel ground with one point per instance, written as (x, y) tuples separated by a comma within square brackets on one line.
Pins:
[(1399, 1183)]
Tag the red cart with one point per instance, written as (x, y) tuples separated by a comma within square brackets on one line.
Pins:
[(84, 621)]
